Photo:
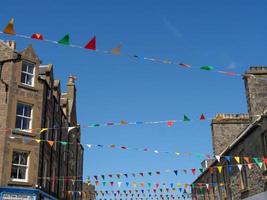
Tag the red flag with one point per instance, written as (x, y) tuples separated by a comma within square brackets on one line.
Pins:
[(265, 160), (193, 171), (37, 36), (170, 123), (91, 44), (157, 185), (202, 117)]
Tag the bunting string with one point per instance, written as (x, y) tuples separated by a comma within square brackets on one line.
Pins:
[(168, 123), (116, 51), (258, 160)]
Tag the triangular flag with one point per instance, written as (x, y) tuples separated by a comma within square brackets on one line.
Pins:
[(237, 158), (127, 184), (142, 174), (9, 29), (258, 161), (91, 44), (170, 123), (201, 170), (119, 176), (50, 142), (37, 140), (64, 143), (208, 68), (186, 119), (103, 177), (211, 170), (110, 175), (95, 177), (111, 183), (230, 168), (37, 36), (265, 160), (202, 117), (176, 172), (250, 165), (149, 173), (228, 158), (218, 158), (126, 175), (89, 145), (239, 167), (104, 183), (117, 50), (96, 183), (247, 159), (43, 130), (65, 40), (119, 184), (71, 128), (219, 169), (184, 65), (193, 171)]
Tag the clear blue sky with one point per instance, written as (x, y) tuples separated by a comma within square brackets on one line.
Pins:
[(228, 34)]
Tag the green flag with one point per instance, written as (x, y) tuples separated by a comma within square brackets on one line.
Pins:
[(65, 40), (186, 119), (208, 68)]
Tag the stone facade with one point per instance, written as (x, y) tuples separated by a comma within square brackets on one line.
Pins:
[(49, 109), (243, 136)]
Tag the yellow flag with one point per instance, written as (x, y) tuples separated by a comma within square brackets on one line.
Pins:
[(37, 140), (43, 130), (219, 169), (237, 158)]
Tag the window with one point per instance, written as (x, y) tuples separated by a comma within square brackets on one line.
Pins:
[(19, 171), (44, 173), (27, 73), (54, 179), (24, 116), (244, 180)]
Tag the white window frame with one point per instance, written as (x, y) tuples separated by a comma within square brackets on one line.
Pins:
[(23, 116), (19, 165), (28, 73)]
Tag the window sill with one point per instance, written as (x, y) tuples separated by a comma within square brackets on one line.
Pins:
[(28, 87), (19, 183), (23, 133)]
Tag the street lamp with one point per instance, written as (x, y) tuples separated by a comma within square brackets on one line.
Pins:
[(2, 62)]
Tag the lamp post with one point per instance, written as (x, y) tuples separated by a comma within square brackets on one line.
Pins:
[(2, 62)]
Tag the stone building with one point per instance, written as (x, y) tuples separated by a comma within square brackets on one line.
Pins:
[(240, 148), (40, 148)]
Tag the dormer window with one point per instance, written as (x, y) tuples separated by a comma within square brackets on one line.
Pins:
[(27, 73)]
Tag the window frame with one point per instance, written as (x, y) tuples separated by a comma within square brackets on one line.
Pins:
[(27, 73), (27, 166), (24, 117)]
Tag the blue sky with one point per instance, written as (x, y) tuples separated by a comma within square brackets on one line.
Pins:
[(229, 35)]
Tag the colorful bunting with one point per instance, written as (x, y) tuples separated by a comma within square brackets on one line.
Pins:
[(237, 158), (37, 36), (9, 29), (208, 68), (117, 50), (65, 40), (202, 117), (91, 44), (186, 119), (50, 142)]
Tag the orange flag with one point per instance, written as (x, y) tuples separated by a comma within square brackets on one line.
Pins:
[(50, 142), (9, 29)]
